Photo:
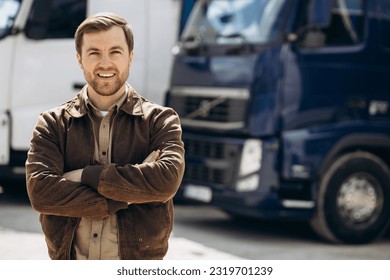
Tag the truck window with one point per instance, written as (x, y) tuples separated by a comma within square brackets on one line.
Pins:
[(231, 22), (8, 12), (346, 26), (347, 23), (55, 18)]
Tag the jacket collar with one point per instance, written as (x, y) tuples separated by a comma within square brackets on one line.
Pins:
[(77, 107)]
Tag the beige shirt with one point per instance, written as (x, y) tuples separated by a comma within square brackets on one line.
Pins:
[(98, 238)]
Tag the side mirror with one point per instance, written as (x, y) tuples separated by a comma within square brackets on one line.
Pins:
[(319, 13)]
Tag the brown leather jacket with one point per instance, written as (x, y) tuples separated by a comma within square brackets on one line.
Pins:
[(63, 141)]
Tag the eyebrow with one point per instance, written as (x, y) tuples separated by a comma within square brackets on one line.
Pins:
[(117, 47), (92, 49), (112, 48)]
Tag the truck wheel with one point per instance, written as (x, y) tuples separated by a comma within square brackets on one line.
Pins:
[(353, 200)]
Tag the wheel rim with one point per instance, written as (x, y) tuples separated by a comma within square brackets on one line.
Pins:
[(359, 200)]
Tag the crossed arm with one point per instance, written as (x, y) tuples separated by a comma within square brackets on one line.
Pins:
[(75, 175), (113, 205)]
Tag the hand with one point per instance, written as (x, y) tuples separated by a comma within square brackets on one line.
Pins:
[(74, 175), (152, 157)]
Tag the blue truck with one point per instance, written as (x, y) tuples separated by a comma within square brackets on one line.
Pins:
[(285, 111)]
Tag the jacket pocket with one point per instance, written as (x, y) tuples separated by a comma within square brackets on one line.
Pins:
[(58, 235), (149, 233)]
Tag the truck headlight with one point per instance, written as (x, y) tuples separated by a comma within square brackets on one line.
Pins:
[(248, 184), (251, 157)]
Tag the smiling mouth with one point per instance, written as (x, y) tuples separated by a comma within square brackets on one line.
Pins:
[(106, 76)]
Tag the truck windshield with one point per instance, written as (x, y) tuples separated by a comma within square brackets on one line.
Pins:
[(8, 12), (230, 22)]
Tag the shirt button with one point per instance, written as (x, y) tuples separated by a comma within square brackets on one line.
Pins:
[(140, 240), (95, 235), (104, 153)]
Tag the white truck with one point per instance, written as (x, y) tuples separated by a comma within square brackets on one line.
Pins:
[(39, 69)]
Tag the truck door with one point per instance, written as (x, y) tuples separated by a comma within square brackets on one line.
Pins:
[(45, 72), (332, 60), (8, 12)]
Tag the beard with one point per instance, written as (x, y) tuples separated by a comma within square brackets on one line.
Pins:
[(106, 88), (109, 87)]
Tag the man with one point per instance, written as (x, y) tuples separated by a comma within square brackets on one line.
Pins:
[(103, 168)]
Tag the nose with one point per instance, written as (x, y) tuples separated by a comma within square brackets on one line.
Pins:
[(105, 61)]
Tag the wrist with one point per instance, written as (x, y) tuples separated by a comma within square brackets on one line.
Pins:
[(91, 175)]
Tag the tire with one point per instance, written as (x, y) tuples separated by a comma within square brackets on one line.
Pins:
[(353, 203)]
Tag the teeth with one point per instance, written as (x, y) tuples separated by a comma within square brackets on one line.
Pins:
[(106, 75)]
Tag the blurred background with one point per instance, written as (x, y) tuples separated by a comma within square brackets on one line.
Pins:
[(284, 107)]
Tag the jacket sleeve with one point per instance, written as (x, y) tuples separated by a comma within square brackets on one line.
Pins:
[(49, 192), (147, 182)]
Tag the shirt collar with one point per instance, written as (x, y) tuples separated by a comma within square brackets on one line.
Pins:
[(89, 105), (132, 103)]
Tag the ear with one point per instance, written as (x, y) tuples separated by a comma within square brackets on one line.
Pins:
[(78, 56), (131, 56)]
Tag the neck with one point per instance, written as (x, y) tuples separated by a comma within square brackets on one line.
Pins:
[(104, 103)]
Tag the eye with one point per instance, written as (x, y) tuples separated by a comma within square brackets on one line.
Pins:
[(92, 52), (116, 52)]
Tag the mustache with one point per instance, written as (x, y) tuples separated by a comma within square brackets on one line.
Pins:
[(100, 69)]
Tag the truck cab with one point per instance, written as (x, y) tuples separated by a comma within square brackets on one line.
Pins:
[(285, 111), (39, 69)]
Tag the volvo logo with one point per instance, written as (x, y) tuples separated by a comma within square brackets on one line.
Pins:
[(205, 107)]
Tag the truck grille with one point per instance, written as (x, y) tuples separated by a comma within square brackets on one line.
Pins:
[(210, 162), (203, 174), (216, 108), (223, 112), (204, 149)]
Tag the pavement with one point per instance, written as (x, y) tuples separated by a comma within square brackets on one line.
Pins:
[(15, 245)]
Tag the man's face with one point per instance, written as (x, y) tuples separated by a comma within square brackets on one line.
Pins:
[(105, 61)]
